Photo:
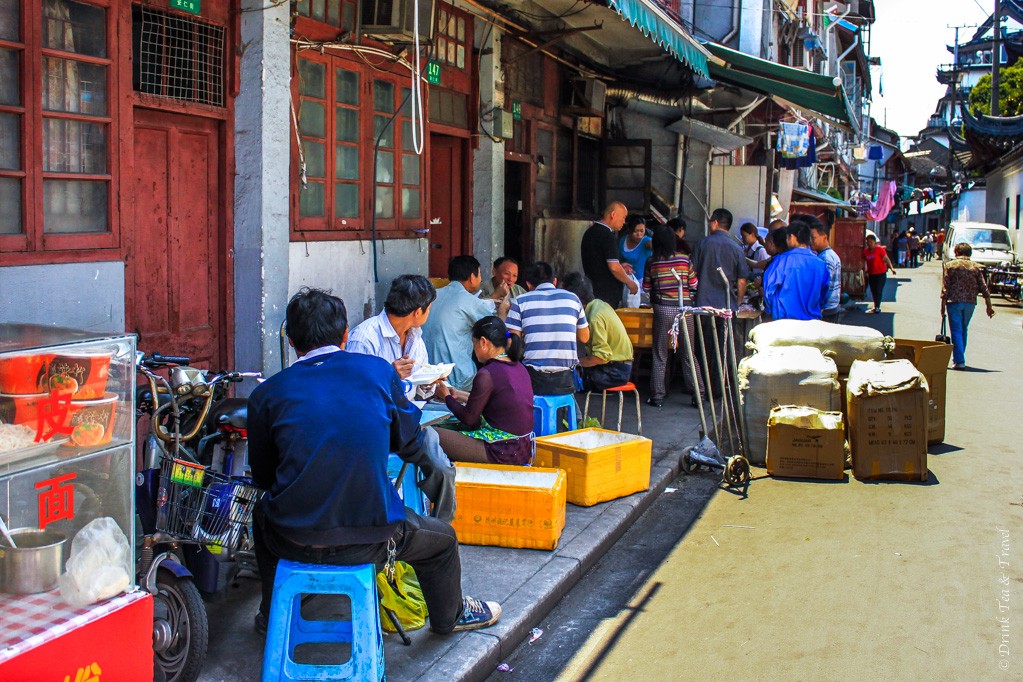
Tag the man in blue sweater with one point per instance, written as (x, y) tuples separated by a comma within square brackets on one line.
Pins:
[(796, 281), (319, 436)]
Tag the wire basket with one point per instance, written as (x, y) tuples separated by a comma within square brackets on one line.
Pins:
[(201, 505)]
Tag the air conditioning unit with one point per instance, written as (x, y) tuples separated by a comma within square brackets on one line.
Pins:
[(587, 96), (393, 21)]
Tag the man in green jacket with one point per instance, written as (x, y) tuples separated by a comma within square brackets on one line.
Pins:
[(607, 362)]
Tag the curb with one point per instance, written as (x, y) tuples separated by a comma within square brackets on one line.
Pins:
[(476, 655)]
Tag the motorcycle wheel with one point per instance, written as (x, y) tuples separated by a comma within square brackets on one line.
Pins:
[(180, 629)]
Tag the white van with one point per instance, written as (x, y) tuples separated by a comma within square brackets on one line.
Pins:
[(990, 242)]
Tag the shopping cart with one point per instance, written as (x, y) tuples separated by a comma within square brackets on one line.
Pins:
[(728, 429), (197, 504)]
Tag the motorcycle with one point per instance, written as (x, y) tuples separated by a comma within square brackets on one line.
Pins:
[(1006, 280), (193, 502)]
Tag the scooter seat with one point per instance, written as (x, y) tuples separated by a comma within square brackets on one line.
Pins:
[(231, 412)]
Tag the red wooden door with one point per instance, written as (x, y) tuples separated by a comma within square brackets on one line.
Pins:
[(446, 205), (173, 302)]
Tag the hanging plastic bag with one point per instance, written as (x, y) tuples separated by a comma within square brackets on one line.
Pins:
[(404, 596), (100, 564), (633, 300)]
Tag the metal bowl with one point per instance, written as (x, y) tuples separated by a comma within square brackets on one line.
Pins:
[(35, 565)]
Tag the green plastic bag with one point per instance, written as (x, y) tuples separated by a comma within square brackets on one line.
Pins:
[(404, 596)]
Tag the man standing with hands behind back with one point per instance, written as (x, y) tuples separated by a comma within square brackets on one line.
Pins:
[(600, 256)]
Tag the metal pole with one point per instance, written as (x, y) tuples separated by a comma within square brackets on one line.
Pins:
[(996, 57), (706, 372)]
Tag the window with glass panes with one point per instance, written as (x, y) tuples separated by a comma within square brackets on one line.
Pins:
[(339, 13), (343, 108), (55, 68), (452, 39)]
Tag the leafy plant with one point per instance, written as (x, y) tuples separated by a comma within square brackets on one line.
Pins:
[(1010, 92)]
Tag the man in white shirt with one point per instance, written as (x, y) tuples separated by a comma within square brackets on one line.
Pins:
[(395, 334)]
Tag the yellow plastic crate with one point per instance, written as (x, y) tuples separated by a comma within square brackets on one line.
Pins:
[(602, 465), (509, 506), (639, 325)]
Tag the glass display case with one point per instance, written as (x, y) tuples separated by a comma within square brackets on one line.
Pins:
[(67, 434)]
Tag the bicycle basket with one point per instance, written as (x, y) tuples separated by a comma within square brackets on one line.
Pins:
[(201, 505)]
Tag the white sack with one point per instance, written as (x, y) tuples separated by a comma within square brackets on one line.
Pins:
[(877, 378), (842, 342), (790, 375)]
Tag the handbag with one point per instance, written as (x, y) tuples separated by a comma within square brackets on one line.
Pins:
[(943, 337)]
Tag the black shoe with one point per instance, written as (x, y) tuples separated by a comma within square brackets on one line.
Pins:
[(654, 402), (260, 622)]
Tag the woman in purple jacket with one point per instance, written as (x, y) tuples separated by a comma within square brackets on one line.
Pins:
[(501, 398)]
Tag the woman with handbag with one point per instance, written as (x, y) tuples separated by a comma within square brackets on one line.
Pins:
[(498, 411), (962, 282)]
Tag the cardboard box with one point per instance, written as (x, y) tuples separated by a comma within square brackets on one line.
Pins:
[(806, 443), (931, 358), (639, 324), (509, 506), (601, 465), (888, 420)]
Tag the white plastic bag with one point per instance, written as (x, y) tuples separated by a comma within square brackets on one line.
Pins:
[(99, 566), (633, 300)]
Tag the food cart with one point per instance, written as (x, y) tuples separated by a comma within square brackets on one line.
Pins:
[(67, 458)]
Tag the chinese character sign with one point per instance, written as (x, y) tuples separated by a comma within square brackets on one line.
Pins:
[(56, 499)]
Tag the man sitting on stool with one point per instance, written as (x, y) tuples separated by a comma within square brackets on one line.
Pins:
[(319, 436), (607, 362), (550, 321)]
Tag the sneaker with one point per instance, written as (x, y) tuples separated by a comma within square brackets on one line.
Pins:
[(260, 622), (959, 365), (654, 402), (869, 311), (477, 614)]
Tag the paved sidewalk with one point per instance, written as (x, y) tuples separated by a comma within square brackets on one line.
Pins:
[(527, 583)]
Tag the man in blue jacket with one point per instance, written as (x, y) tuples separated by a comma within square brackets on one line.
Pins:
[(796, 281), (319, 436)]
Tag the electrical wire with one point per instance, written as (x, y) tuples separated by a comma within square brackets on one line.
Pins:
[(418, 128)]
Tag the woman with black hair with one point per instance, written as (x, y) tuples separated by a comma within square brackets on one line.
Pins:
[(660, 282), (498, 409)]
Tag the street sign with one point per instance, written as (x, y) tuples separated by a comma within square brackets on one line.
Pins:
[(433, 72), (517, 110), (192, 6)]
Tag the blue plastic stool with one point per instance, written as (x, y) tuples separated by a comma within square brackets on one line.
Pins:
[(545, 413), (287, 629), (409, 492)]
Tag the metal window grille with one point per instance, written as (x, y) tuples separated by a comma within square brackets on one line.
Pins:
[(178, 57)]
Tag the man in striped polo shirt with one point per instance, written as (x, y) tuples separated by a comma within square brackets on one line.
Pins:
[(551, 321)]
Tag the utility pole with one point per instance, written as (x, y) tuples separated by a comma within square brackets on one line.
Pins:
[(996, 57)]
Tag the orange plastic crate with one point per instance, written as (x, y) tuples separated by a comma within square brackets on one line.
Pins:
[(639, 325), (601, 465), (509, 506)]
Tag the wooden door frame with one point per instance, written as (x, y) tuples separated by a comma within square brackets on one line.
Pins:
[(128, 100)]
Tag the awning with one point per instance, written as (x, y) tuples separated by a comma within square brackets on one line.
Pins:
[(818, 95), (819, 199), (658, 26), (710, 134)]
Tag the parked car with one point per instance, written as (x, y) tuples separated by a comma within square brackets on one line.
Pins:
[(990, 241)]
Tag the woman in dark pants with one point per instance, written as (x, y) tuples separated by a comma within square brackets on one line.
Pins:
[(877, 265)]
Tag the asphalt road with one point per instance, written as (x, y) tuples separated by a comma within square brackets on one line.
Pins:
[(825, 580)]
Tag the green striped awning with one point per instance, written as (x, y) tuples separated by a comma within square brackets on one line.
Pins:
[(811, 92), (653, 22)]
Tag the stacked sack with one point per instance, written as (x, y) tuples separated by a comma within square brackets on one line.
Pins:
[(783, 375)]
